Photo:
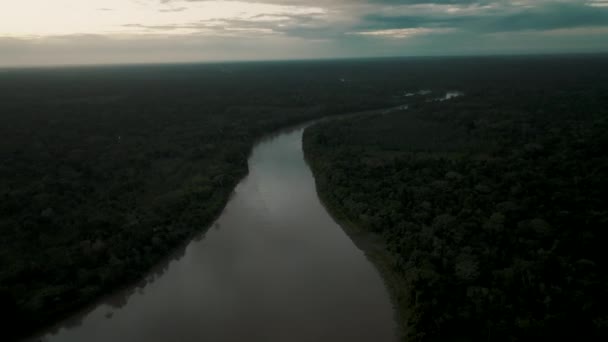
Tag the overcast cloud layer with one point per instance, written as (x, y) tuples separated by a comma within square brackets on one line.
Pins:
[(42, 32)]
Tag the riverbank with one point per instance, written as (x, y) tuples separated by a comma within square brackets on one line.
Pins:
[(477, 201), (194, 218), (370, 243)]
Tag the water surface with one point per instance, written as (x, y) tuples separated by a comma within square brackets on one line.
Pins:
[(274, 267)]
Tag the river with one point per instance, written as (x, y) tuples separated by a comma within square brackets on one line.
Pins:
[(274, 267)]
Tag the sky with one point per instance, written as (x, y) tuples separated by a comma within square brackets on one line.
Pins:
[(60, 32)]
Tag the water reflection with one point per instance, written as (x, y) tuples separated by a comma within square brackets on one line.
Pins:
[(275, 267)]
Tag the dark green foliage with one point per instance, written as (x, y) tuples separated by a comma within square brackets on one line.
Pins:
[(104, 171), (492, 205)]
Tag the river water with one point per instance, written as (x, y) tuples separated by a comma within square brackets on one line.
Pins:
[(274, 267)]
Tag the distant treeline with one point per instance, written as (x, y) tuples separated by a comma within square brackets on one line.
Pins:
[(492, 206)]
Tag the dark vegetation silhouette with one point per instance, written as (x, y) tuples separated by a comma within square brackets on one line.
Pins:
[(104, 171), (491, 206)]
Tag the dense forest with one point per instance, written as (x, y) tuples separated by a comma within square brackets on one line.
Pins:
[(491, 205), (104, 171)]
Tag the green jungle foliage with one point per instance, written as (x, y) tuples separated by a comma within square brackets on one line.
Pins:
[(104, 171), (492, 205)]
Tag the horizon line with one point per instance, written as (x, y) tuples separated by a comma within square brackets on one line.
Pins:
[(295, 60)]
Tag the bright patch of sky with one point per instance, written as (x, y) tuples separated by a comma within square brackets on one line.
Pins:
[(43, 18), (402, 33)]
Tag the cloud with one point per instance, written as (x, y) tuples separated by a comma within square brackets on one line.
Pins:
[(402, 33), (295, 25), (168, 10), (598, 3), (492, 19), (298, 28)]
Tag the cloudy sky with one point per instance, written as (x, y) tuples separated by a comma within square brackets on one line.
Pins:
[(49, 32)]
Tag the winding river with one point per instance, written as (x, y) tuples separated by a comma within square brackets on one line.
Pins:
[(274, 267)]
